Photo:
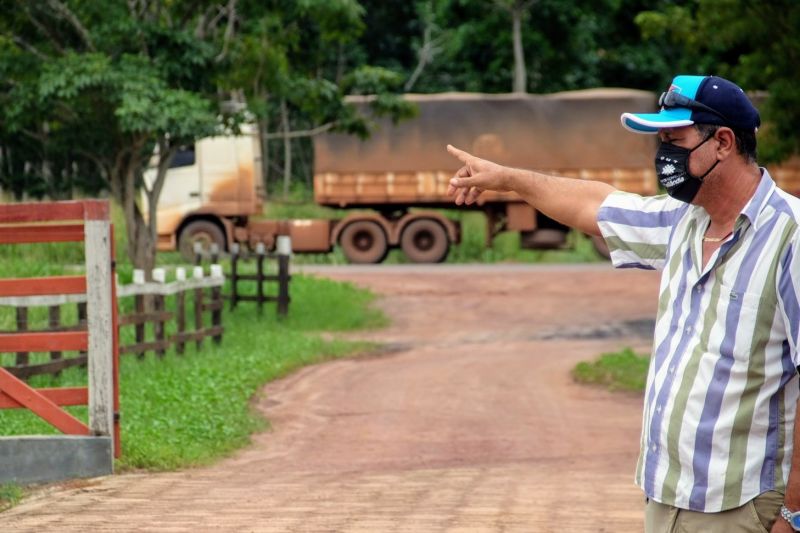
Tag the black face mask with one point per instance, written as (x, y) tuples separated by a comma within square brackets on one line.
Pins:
[(672, 169)]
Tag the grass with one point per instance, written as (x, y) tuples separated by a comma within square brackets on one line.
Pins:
[(624, 370), (191, 409), (10, 495)]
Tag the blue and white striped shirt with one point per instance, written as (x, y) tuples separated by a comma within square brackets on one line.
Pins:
[(722, 387)]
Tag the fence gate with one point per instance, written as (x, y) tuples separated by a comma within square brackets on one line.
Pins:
[(84, 450)]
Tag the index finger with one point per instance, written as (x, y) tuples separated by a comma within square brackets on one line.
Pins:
[(461, 154)]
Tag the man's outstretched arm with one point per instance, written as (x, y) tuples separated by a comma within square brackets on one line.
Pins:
[(572, 202)]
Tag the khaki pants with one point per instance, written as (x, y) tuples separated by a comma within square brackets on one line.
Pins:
[(756, 516)]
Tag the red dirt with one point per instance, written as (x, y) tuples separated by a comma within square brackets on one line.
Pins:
[(471, 424)]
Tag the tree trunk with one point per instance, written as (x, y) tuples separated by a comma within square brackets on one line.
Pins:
[(425, 55), (166, 152), (520, 74), (287, 150), (263, 131), (141, 246)]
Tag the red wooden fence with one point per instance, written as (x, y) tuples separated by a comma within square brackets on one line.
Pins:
[(79, 221)]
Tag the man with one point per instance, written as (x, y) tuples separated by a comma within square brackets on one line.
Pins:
[(718, 429)]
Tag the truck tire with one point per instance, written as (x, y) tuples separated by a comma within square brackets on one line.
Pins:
[(203, 231), (425, 241), (364, 241)]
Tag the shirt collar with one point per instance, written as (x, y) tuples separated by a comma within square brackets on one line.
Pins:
[(759, 200)]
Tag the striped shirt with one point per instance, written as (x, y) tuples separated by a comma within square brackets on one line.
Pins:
[(722, 387)]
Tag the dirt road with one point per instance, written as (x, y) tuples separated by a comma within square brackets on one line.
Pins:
[(471, 424)]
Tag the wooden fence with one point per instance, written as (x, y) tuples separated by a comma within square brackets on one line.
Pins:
[(158, 317), (23, 368), (259, 255), (88, 222)]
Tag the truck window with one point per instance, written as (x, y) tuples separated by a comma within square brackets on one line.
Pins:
[(184, 157)]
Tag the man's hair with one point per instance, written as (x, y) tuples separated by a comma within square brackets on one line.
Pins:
[(745, 140)]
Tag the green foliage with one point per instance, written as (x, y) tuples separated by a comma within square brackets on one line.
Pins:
[(371, 80), (186, 410), (87, 91), (675, 21), (93, 87), (10, 495), (754, 44), (339, 21), (624, 370), (568, 44), (290, 61)]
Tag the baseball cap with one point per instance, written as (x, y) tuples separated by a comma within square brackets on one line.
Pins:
[(697, 100)]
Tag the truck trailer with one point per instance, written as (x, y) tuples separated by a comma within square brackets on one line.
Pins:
[(395, 181)]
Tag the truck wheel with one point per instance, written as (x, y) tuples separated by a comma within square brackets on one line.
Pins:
[(364, 241), (203, 231), (601, 246), (425, 241)]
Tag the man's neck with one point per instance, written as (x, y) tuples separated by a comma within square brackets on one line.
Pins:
[(728, 196)]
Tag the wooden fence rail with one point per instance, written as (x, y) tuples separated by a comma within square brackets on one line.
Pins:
[(23, 368), (98, 440), (260, 256), (158, 317)]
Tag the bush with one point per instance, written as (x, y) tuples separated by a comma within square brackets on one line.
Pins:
[(624, 370)]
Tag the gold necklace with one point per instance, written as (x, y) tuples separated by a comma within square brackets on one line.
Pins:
[(716, 239)]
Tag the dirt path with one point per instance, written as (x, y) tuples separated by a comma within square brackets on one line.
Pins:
[(472, 425)]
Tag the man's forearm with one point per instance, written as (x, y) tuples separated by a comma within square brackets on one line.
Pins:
[(572, 202)]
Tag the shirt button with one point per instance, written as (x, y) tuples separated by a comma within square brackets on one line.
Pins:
[(689, 330), (654, 448), (699, 288), (672, 369), (658, 409)]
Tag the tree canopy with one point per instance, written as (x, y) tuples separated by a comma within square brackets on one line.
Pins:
[(753, 43), (94, 92), (91, 90)]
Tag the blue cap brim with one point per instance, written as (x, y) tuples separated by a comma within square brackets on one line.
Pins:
[(652, 122)]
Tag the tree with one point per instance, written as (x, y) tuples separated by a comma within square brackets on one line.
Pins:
[(430, 47), (754, 43), (517, 9), (561, 44), (123, 80), (294, 69)]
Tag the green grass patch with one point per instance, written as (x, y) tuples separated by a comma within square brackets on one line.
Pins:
[(623, 370), (190, 409), (10, 495)]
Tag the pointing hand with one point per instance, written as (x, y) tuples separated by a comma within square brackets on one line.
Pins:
[(477, 175)]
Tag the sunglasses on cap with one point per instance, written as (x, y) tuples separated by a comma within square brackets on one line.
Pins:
[(671, 99)]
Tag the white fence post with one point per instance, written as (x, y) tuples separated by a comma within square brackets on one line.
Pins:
[(99, 319)]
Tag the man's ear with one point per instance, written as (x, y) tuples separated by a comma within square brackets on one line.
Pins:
[(727, 142)]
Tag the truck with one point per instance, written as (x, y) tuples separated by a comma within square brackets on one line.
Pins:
[(392, 186)]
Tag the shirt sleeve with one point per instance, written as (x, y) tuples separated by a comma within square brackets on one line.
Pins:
[(788, 299), (637, 228)]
